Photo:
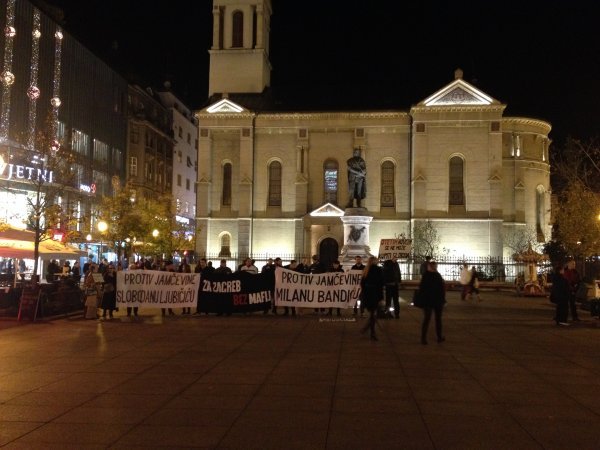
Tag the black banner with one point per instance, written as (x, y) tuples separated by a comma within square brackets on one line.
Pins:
[(239, 292)]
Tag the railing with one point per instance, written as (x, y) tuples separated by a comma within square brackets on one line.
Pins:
[(489, 268)]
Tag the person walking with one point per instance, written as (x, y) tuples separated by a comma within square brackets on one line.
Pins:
[(465, 281), (474, 285), (432, 291), (559, 295), (423, 266), (392, 278), (372, 293)]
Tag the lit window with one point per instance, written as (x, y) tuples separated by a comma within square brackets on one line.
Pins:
[(330, 174), (133, 166), (225, 246)]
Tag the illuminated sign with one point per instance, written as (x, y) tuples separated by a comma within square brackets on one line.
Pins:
[(10, 171), (181, 219), (90, 189)]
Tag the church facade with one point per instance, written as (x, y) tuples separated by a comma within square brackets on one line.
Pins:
[(276, 182)]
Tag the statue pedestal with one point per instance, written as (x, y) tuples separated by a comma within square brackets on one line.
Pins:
[(356, 235)]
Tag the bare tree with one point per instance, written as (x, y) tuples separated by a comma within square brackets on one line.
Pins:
[(426, 240), (520, 239)]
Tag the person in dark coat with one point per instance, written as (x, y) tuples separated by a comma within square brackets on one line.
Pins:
[(432, 292), (109, 296), (392, 278), (559, 295), (358, 266), (372, 292)]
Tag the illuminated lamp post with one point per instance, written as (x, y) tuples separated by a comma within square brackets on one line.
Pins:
[(102, 227)]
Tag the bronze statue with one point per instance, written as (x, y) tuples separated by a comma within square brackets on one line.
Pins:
[(357, 179)]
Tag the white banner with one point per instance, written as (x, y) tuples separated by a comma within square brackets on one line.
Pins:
[(395, 248), (154, 289), (324, 290)]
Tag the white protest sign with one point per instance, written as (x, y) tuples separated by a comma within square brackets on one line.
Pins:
[(395, 248), (154, 289), (324, 290)]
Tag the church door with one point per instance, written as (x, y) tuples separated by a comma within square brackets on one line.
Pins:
[(328, 252)]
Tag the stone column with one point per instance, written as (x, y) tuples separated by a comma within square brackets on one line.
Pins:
[(356, 235)]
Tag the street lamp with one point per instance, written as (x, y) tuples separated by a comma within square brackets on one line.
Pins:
[(102, 227)]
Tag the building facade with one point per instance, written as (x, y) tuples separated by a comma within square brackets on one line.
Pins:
[(185, 159), (53, 85), (275, 181), (150, 144)]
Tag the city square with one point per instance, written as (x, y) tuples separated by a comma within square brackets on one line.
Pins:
[(506, 377)]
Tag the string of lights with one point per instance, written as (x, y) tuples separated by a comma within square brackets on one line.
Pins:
[(34, 92), (7, 76)]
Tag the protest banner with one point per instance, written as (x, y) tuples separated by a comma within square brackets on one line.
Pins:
[(235, 293), (395, 248), (154, 289), (326, 290)]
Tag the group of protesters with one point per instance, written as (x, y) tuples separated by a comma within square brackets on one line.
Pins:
[(380, 284)]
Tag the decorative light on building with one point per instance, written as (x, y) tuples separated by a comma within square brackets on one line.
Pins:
[(55, 102), (33, 92), (7, 77)]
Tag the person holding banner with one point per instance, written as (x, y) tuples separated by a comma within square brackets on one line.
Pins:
[(335, 267), (372, 293)]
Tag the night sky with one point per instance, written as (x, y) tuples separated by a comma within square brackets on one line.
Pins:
[(541, 58)]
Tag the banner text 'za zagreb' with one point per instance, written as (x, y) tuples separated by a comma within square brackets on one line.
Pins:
[(324, 290), (154, 289)]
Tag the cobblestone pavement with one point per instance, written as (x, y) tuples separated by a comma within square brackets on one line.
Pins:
[(506, 378)]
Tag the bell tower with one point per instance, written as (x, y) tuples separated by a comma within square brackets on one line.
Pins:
[(239, 56)]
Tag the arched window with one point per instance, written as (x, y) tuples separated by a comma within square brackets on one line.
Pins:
[(237, 37), (456, 184), (387, 184), (275, 183), (330, 174), (540, 213), (225, 246), (226, 201)]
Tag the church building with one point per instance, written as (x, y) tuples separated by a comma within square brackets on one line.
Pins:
[(274, 182)]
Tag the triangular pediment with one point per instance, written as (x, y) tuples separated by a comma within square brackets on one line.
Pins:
[(459, 93), (327, 210), (225, 106)]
